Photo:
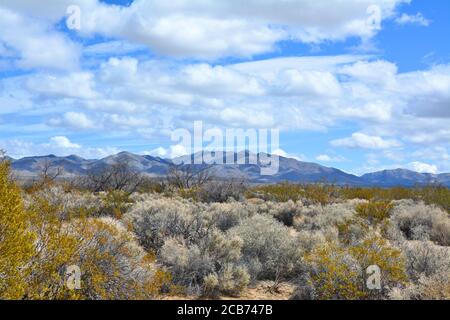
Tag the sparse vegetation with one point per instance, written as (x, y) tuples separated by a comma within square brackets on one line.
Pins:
[(209, 238)]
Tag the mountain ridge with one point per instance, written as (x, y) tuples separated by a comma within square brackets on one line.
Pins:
[(290, 169)]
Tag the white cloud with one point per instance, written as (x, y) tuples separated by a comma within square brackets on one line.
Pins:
[(361, 140), (158, 152), (417, 19), (219, 80), (327, 158), (423, 167), (74, 85), (63, 142), (377, 111), (246, 118), (377, 72), (427, 92), (129, 96), (211, 29), (315, 83), (115, 47), (74, 120), (174, 151), (35, 44), (144, 98), (280, 152), (118, 70), (58, 145)]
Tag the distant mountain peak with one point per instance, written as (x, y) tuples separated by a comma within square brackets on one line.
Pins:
[(290, 169)]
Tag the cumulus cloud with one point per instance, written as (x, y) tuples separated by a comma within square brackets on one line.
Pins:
[(423, 167), (34, 45), (74, 85), (63, 142), (417, 19), (248, 118), (130, 96), (427, 91), (361, 140), (315, 83), (117, 70), (74, 120), (211, 29), (219, 80), (372, 72)]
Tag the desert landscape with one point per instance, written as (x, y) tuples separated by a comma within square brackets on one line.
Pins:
[(198, 154), (194, 236)]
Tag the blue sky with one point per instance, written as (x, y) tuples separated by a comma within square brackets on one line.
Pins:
[(360, 85)]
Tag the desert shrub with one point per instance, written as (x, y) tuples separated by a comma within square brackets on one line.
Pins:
[(374, 211), (308, 193), (152, 185), (352, 231), (417, 221), (115, 203), (221, 190), (377, 194), (375, 250), (336, 272), (68, 204), (54, 250), (230, 281), (425, 259), (16, 241), (113, 264), (435, 287), (317, 217), (209, 267), (332, 273), (432, 194), (156, 220), (187, 193), (269, 250), (280, 192), (285, 212), (224, 216), (308, 240), (186, 263), (319, 194)]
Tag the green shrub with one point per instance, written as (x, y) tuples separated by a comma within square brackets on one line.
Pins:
[(374, 211)]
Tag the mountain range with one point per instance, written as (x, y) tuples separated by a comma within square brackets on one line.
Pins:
[(290, 169)]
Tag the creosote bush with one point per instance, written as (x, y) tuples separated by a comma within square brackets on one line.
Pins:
[(338, 272), (374, 211), (16, 241)]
